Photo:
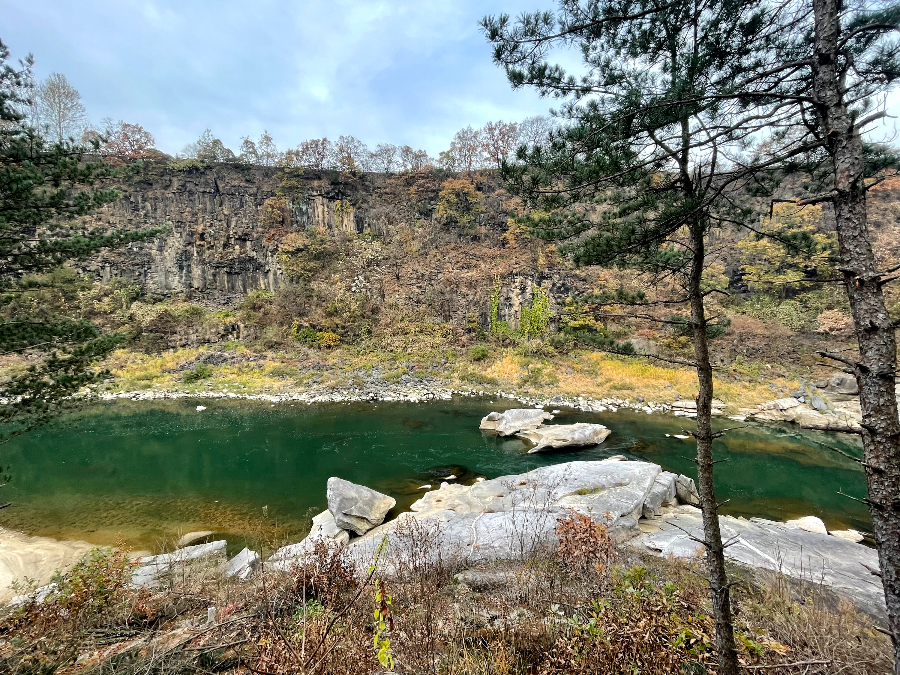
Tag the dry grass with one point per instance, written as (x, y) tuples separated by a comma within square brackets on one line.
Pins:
[(583, 608)]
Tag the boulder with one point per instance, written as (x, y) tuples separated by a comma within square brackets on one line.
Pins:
[(324, 527), (515, 420), (557, 436), (842, 384), (848, 535), (808, 523), (242, 565), (512, 516), (686, 490), (662, 493), (356, 507)]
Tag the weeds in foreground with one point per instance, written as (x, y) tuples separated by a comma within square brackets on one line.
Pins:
[(581, 607)]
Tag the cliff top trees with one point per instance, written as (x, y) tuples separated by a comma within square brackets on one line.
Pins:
[(62, 114)]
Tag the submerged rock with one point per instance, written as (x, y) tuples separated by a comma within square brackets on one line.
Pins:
[(356, 507), (515, 420), (193, 537), (565, 435)]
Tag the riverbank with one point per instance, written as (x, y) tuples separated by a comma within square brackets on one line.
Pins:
[(466, 595)]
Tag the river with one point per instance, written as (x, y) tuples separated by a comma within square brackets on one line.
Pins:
[(144, 473)]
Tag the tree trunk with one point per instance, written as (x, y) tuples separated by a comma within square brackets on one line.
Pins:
[(712, 535), (877, 366)]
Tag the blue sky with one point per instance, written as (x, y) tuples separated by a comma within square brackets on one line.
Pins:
[(404, 72), (401, 72)]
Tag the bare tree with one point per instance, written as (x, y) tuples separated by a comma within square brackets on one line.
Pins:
[(262, 152), (499, 141), (466, 152), (413, 160), (351, 155), (385, 157), (208, 148), (316, 153), (62, 114), (534, 131)]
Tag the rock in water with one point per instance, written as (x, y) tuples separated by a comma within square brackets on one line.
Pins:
[(356, 507), (848, 535), (809, 523), (565, 435), (515, 420)]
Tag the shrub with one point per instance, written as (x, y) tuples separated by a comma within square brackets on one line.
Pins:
[(327, 340), (200, 371), (479, 353)]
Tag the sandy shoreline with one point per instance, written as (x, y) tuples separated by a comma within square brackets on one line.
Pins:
[(36, 558)]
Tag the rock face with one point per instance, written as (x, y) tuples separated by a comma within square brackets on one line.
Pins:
[(514, 421), (834, 417), (765, 544), (356, 507), (565, 435)]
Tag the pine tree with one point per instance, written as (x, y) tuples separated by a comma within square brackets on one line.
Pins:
[(687, 106), (44, 188)]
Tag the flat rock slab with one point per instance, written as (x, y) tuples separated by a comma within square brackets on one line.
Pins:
[(514, 421), (508, 517), (356, 507), (843, 565), (243, 564), (556, 436), (150, 568)]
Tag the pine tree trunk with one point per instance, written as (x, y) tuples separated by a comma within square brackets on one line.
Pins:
[(877, 366), (715, 551)]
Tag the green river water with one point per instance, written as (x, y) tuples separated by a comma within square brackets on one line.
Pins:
[(146, 472)]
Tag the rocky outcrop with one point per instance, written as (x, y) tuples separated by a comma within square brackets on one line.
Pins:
[(848, 568), (324, 528), (556, 436), (511, 516), (663, 492), (830, 417), (514, 421), (356, 507)]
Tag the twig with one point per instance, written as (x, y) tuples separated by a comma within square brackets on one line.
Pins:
[(789, 665), (207, 630), (208, 648)]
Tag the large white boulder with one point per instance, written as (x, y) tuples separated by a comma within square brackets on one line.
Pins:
[(511, 516), (356, 507), (324, 528), (808, 523), (557, 436), (243, 564), (515, 420)]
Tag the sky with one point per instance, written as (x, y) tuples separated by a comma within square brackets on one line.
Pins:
[(403, 72)]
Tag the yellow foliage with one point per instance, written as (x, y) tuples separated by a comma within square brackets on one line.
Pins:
[(767, 261), (459, 202)]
